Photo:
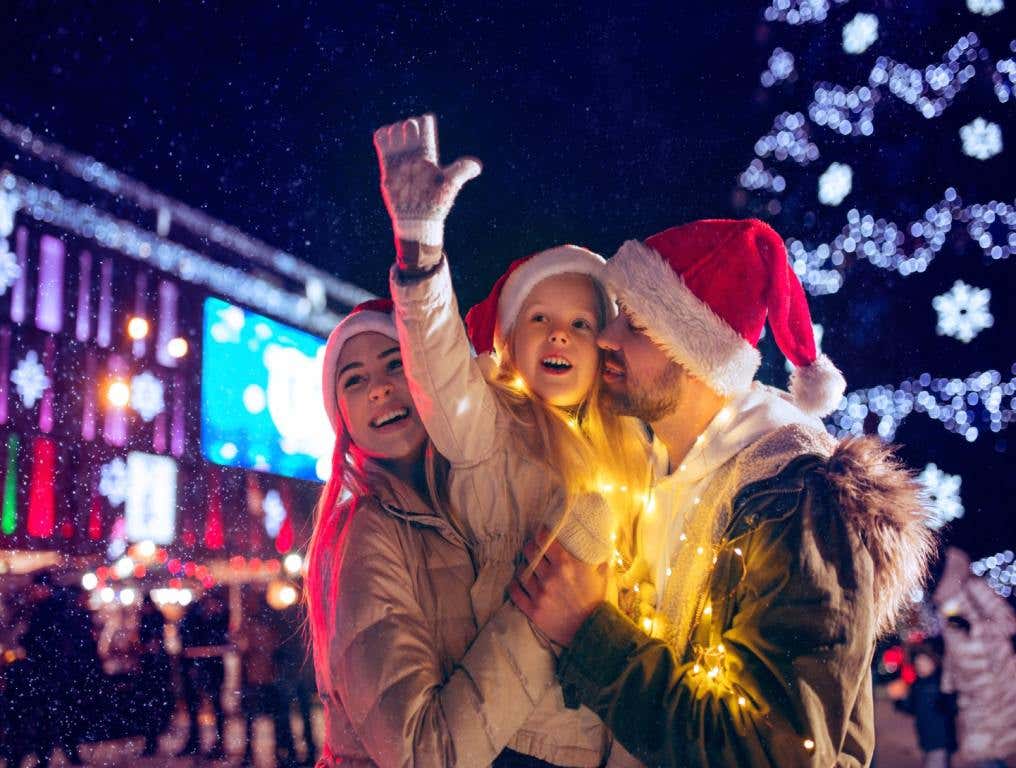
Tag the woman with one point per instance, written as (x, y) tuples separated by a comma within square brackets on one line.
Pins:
[(403, 674)]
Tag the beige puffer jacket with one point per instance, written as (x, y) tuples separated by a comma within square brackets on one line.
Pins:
[(409, 682), (501, 495)]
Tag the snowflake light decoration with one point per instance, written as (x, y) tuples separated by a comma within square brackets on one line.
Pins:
[(860, 33), (985, 7), (835, 184), (113, 481), (30, 379), (781, 67), (981, 139), (10, 270), (963, 311), (941, 492), (275, 512), (147, 396)]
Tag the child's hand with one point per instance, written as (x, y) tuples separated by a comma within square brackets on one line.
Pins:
[(417, 191)]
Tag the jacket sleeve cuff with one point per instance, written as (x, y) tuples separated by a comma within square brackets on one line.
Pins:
[(597, 656), (418, 294)]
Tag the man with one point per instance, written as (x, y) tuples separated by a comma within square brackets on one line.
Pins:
[(772, 556)]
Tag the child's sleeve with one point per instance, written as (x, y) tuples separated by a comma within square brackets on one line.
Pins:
[(586, 532), (455, 402)]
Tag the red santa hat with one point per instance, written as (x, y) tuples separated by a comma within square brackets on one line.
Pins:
[(489, 322), (704, 291), (373, 315)]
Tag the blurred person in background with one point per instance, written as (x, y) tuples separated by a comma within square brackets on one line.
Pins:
[(155, 682), (934, 711), (295, 681), (979, 664), (204, 637)]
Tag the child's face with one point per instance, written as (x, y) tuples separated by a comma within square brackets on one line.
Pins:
[(924, 665), (554, 339)]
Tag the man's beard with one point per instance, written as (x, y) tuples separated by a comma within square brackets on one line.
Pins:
[(650, 402)]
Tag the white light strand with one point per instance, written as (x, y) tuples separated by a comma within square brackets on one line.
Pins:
[(906, 250), (781, 67), (797, 12), (998, 570), (980, 403), (103, 177), (1004, 77), (47, 205)]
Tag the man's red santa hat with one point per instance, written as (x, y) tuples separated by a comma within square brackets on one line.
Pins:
[(705, 290), (489, 323)]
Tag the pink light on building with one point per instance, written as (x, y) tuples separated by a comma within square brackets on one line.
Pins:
[(88, 415), (49, 364), (5, 368), (179, 428), (168, 296), (140, 308), (49, 298)]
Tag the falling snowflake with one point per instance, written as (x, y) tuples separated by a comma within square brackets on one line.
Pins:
[(10, 270), (985, 7), (30, 378), (275, 512), (963, 311), (981, 139), (147, 396), (941, 493), (8, 207), (113, 481), (835, 184), (860, 32)]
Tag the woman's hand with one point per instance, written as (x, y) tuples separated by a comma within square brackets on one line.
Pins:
[(417, 191)]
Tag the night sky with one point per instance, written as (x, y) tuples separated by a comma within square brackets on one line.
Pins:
[(594, 126)]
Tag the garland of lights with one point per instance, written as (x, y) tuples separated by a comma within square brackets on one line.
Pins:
[(49, 206), (92, 171), (998, 570), (960, 404)]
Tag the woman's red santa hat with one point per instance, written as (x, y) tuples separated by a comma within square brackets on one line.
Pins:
[(374, 315), (489, 323), (705, 290)]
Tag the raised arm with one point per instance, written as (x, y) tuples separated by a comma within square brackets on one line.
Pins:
[(454, 400), (405, 707)]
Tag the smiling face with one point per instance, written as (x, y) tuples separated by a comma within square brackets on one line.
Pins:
[(374, 401), (554, 339), (639, 378)]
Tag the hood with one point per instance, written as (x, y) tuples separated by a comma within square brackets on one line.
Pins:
[(881, 500)]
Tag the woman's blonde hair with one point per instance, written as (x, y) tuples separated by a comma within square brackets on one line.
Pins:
[(588, 447), (353, 478)]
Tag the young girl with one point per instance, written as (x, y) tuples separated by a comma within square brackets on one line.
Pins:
[(528, 444), (403, 675)]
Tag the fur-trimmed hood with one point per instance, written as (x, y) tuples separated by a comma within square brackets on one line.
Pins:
[(882, 501)]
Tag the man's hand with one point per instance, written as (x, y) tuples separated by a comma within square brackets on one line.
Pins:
[(417, 191), (561, 592)]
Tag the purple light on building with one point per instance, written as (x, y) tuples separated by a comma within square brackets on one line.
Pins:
[(140, 308), (5, 367), (104, 331), (179, 425), (88, 415), (83, 320), (49, 364), (168, 295), (159, 434), (115, 429), (49, 299), (19, 293)]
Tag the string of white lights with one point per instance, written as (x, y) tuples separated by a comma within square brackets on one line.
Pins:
[(980, 402), (100, 175), (49, 206), (998, 570)]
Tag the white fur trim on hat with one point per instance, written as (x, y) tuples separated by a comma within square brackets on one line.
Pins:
[(679, 321), (563, 259), (357, 322), (817, 388)]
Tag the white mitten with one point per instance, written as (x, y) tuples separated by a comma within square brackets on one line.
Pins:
[(418, 192), (586, 533)]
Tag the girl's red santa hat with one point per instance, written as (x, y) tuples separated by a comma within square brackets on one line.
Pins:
[(704, 290), (374, 315), (489, 323)]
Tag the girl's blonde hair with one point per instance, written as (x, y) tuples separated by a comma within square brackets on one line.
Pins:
[(588, 447)]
